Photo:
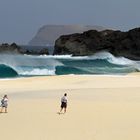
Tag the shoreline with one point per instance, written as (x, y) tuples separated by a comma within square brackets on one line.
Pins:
[(90, 75)]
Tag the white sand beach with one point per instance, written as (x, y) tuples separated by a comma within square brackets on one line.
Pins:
[(99, 108)]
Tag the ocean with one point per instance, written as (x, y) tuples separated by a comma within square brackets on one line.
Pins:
[(102, 63)]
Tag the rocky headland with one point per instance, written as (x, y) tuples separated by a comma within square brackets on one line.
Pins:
[(47, 34), (118, 43)]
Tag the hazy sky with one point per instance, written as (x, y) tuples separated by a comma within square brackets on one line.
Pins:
[(20, 19)]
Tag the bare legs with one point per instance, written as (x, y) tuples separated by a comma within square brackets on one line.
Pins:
[(62, 109), (5, 108), (1, 110)]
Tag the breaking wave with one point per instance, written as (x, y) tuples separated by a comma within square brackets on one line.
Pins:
[(6, 71), (100, 63)]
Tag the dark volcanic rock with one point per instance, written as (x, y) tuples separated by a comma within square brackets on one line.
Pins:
[(118, 43), (15, 49), (44, 51), (47, 34)]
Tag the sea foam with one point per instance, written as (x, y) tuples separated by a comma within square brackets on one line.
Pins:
[(99, 63)]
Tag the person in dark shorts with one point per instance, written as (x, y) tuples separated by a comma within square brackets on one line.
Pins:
[(63, 103), (4, 103)]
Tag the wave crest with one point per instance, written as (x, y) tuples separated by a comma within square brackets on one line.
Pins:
[(7, 71), (99, 63)]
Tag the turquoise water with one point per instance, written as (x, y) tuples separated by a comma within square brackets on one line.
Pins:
[(100, 63), (6, 71)]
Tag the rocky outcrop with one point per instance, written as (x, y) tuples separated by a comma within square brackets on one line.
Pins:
[(44, 51), (47, 34), (15, 49), (119, 43)]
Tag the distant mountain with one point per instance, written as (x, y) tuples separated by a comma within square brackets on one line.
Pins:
[(47, 34)]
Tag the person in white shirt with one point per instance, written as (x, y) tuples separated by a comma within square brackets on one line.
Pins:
[(4, 103), (63, 103)]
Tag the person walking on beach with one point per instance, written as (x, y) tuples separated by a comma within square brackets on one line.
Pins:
[(63, 103), (4, 103)]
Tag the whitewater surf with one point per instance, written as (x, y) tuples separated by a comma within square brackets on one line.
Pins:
[(30, 65)]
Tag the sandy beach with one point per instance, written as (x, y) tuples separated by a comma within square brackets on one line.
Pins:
[(99, 108)]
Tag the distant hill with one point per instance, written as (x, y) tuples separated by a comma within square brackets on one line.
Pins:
[(47, 34)]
